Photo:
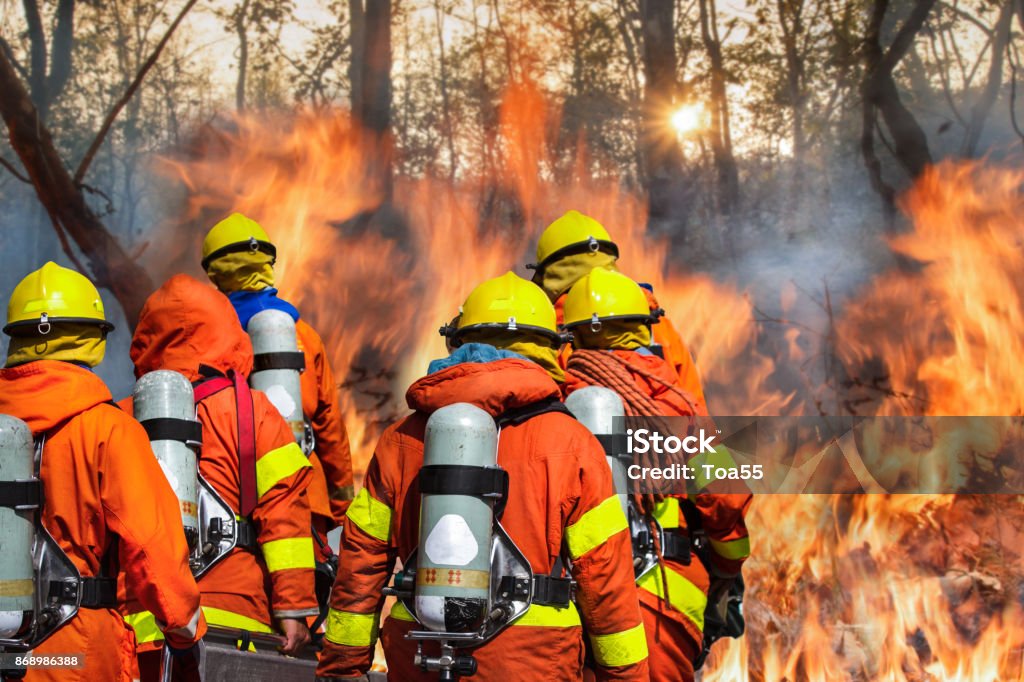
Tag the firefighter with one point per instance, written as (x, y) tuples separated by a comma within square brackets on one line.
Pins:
[(575, 244), (239, 257), (560, 502), (105, 500), (249, 456), (610, 320)]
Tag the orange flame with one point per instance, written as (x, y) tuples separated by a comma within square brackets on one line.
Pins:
[(840, 588)]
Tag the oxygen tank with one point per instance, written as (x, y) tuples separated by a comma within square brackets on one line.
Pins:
[(454, 556), (277, 364), (163, 401), (17, 531), (596, 408)]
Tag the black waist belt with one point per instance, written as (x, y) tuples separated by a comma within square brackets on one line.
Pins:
[(90, 593), (245, 535), (676, 545), (547, 590)]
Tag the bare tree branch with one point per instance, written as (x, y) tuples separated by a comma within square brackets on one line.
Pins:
[(63, 200), (14, 171), (83, 167)]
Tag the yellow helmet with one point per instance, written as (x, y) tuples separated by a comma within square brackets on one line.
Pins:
[(233, 234), (54, 294), (571, 234), (604, 295), (507, 302)]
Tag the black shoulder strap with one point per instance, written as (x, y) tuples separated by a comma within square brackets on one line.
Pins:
[(518, 415)]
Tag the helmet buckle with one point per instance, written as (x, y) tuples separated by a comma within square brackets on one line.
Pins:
[(254, 245), (592, 244), (512, 324), (595, 323), (44, 325)]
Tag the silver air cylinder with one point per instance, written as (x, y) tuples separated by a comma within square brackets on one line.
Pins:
[(167, 395), (596, 408), (454, 557), (273, 337), (17, 530)]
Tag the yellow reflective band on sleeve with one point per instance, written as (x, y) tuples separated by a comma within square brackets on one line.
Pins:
[(277, 465), (351, 629), (288, 553), (620, 648), (399, 612), (683, 595), (372, 516), (666, 513), (144, 624), (595, 527), (733, 549), (539, 615), (229, 619)]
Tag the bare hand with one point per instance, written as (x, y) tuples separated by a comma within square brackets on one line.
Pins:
[(296, 635)]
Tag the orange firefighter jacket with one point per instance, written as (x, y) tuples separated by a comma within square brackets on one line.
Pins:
[(674, 618), (560, 500), (673, 348), (105, 498), (331, 489), (185, 325)]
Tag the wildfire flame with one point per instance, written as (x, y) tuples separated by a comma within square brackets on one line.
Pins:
[(839, 587)]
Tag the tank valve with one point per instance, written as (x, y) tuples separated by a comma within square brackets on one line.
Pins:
[(447, 665)]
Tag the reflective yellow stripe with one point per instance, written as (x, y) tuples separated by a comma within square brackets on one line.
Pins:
[(536, 616), (733, 549), (288, 553), (595, 527), (351, 629), (277, 465), (683, 595), (229, 619), (372, 516), (666, 513), (620, 648), (550, 616), (399, 612), (144, 624)]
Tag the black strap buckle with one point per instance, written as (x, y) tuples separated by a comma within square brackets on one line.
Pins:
[(21, 494), (675, 545), (245, 535)]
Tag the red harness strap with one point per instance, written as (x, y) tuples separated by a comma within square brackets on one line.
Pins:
[(246, 433)]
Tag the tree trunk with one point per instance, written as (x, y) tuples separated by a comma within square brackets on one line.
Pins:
[(721, 134), (1000, 38), (881, 96), (111, 266), (370, 77), (241, 17), (659, 148)]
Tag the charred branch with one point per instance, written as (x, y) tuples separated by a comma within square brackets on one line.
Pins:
[(63, 200)]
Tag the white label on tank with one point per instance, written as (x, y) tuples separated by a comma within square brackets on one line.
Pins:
[(451, 542), (281, 400)]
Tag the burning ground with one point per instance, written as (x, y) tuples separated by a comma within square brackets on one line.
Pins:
[(931, 322)]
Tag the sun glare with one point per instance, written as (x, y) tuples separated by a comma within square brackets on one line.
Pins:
[(687, 118)]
